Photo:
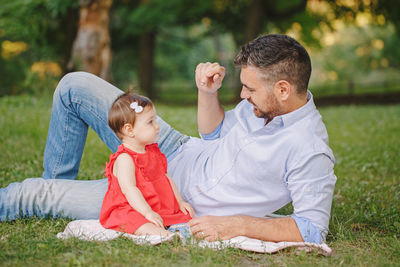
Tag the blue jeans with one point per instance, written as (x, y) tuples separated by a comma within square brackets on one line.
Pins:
[(80, 100)]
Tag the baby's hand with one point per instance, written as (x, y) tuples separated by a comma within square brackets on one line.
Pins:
[(155, 218), (186, 207)]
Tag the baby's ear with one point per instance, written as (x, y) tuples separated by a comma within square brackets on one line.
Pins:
[(127, 130)]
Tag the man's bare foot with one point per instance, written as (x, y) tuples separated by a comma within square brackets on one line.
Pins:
[(152, 229)]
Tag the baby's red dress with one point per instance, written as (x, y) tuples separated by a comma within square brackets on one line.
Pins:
[(150, 172)]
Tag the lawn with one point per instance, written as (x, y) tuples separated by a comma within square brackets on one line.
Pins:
[(365, 223)]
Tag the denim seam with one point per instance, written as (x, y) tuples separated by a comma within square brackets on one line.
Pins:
[(55, 171), (66, 108)]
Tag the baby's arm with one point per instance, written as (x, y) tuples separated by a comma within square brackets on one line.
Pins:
[(183, 205), (124, 170)]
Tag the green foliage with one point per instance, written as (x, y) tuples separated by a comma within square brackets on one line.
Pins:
[(12, 72), (132, 18), (362, 50), (29, 21), (186, 32), (365, 213), (387, 7), (47, 29), (158, 13), (359, 60)]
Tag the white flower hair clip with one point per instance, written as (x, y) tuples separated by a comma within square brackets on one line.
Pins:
[(135, 106)]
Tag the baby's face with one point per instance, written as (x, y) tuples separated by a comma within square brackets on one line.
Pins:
[(146, 128)]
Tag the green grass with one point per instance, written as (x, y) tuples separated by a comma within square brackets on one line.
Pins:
[(365, 223)]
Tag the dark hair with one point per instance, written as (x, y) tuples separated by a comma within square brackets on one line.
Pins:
[(280, 57), (121, 112)]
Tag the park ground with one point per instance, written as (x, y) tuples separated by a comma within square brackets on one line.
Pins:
[(364, 226)]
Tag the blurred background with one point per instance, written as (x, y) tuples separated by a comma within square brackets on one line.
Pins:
[(153, 46)]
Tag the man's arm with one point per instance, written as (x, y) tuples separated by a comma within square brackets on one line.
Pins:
[(209, 110), (311, 184), (213, 228)]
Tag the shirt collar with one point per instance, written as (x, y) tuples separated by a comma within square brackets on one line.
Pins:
[(290, 118)]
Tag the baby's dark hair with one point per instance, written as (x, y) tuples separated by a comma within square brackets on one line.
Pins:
[(122, 113)]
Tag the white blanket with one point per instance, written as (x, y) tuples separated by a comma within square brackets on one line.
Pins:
[(91, 230)]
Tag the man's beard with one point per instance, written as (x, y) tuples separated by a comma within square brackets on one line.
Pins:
[(268, 115)]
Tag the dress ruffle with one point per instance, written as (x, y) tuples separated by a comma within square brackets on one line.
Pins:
[(150, 164)]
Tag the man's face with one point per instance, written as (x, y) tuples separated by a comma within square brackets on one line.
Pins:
[(259, 93)]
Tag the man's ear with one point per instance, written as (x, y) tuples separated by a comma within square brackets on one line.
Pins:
[(127, 130), (283, 90)]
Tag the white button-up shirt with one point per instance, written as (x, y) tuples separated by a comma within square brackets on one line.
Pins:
[(254, 169)]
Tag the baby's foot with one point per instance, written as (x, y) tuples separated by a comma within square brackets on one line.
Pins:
[(152, 229)]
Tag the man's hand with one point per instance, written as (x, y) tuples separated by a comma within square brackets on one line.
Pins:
[(155, 218), (186, 207), (209, 77), (213, 228)]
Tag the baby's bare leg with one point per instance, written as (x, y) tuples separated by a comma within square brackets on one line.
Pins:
[(152, 229)]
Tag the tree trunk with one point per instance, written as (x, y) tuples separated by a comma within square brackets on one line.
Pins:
[(69, 27), (146, 62), (91, 50), (253, 28), (255, 20)]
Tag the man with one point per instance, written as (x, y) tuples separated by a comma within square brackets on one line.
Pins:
[(251, 161)]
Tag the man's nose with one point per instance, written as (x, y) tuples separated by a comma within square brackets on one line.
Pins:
[(244, 94)]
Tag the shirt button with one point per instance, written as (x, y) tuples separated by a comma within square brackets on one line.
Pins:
[(233, 161), (214, 180), (246, 140)]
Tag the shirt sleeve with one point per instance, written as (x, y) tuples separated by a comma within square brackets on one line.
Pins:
[(223, 128), (311, 184), (308, 231), (214, 134)]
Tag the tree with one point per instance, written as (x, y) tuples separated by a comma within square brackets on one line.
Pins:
[(248, 19), (142, 21), (91, 49), (47, 29), (245, 19)]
